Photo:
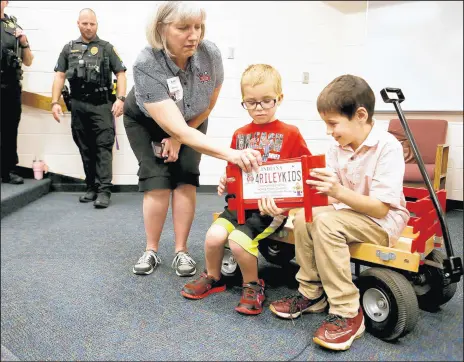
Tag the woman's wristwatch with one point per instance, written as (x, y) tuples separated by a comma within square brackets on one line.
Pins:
[(24, 46), (122, 98)]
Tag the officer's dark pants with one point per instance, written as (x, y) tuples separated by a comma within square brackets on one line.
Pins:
[(10, 117), (93, 131)]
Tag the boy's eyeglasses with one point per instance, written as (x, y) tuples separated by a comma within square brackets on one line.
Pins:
[(266, 104)]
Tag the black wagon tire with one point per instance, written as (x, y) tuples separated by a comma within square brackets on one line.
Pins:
[(389, 303), (276, 252), (436, 292)]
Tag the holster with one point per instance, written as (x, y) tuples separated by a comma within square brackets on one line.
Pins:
[(66, 97), (11, 67)]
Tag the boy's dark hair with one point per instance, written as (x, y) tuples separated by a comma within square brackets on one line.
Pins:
[(344, 95)]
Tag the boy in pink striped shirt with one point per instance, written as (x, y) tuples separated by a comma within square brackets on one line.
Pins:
[(364, 182)]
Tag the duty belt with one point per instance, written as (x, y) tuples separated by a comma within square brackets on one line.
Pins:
[(96, 98)]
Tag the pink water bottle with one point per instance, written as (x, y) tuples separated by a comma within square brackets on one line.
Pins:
[(39, 167)]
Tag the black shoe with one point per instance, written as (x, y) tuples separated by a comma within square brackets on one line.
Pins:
[(13, 179), (103, 200), (89, 196)]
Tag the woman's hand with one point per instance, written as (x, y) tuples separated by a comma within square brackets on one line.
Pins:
[(171, 149), (248, 160), (267, 206), (328, 182)]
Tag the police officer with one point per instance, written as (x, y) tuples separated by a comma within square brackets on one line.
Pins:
[(15, 51), (87, 64)]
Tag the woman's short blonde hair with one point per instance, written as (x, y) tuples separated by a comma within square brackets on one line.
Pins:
[(257, 74), (168, 12)]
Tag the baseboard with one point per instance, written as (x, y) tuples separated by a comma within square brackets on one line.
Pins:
[(64, 183), (25, 172), (56, 178), (454, 205), (81, 187), (208, 189)]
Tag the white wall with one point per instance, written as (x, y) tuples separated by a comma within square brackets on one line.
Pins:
[(355, 45), (425, 54), (295, 37)]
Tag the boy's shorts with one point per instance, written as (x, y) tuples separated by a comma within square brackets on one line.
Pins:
[(256, 228)]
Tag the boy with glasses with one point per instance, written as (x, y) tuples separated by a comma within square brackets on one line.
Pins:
[(261, 87)]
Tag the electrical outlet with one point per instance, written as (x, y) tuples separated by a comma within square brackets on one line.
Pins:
[(305, 77), (230, 53)]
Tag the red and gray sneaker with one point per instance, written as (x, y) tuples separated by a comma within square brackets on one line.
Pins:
[(293, 306), (338, 333), (252, 298), (202, 287)]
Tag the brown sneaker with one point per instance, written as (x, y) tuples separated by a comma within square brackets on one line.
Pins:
[(338, 333), (252, 299), (202, 287), (293, 306)]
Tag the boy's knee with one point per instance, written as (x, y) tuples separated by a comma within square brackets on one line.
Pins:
[(216, 236), (235, 247), (326, 223), (322, 222), (299, 219), (242, 248)]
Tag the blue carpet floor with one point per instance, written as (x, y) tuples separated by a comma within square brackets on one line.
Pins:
[(68, 293)]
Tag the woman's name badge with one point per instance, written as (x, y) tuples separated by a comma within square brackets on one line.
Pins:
[(176, 92)]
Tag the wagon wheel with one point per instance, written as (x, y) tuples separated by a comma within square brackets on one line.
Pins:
[(229, 267), (389, 303), (432, 292), (276, 252)]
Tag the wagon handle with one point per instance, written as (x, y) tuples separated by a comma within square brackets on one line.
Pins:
[(452, 265)]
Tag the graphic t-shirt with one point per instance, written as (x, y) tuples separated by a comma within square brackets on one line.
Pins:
[(276, 140)]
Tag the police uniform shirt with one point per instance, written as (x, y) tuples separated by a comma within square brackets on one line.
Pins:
[(8, 39), (154, 70), (116, 64)]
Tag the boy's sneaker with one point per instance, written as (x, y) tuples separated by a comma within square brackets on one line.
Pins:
[(294, 306), (147, 263), (252, 298), (338, 333), (184, 264), (202, 287)]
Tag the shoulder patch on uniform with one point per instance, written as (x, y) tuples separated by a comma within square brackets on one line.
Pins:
[(115, 52)]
